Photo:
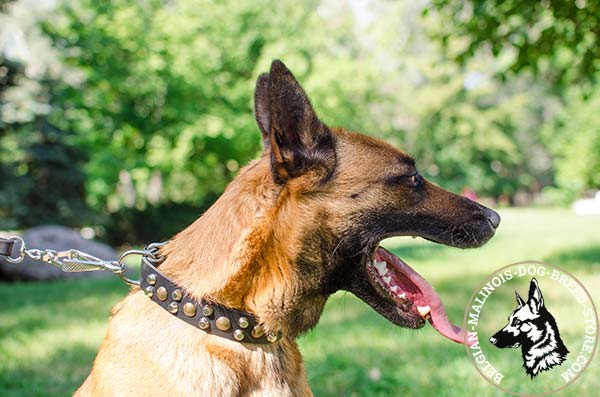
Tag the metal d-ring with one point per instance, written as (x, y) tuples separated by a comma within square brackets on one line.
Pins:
[(122, 258)]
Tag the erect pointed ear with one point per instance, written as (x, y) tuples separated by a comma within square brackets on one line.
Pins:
[(535, 300), (261, 108), (297, 141), (519, 300)]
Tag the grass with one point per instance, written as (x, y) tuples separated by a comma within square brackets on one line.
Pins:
[(50, 332)]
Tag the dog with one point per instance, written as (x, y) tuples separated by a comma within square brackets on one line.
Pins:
[(532, 328), (296, 225)]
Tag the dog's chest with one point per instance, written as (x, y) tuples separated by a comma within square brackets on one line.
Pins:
[(187, 361)]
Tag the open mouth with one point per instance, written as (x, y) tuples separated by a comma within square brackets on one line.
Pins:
[(413, 296)]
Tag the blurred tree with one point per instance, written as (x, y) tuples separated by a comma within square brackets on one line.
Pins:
[(483, 136), (169, 89), (556, 40), (44, 184), (574, 139), (466, 127), (39, 166), (156, 97), (164, 105)]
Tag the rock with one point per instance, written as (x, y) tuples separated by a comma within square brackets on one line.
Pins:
[(58, 238)]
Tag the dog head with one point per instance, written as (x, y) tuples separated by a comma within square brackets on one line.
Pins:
[(352, 191), (526, 324)]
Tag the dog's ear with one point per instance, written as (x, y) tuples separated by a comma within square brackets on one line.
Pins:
[(261, 108), (296, 139), (535, 300), (519, 300)]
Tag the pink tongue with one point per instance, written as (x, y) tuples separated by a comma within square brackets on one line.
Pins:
[(439, 319)]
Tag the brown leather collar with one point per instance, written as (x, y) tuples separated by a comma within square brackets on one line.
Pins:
[(211, 318)]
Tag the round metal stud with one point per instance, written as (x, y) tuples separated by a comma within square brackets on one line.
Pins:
[(151, 279), (207, 310), (203, 323), (161, 293), (272, 337), (238, 335), (243, 322), (223, 323), (176, 295), (149, 291), (257, 331), (189, 309), (173, 307)]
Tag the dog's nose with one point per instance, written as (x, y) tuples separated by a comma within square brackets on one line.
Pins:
[(493, 340), (493, 218)]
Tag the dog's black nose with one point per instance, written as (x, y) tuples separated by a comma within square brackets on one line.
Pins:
[(493, 218)]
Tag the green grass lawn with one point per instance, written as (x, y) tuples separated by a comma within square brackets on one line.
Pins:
[(50, 332)]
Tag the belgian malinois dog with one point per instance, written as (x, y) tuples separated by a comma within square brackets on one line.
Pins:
[(296, 225), (533, 328)]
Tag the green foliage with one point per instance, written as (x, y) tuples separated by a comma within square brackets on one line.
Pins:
[(153, 223), (557, 40), (574, 138), (43, 185), (467, 128), (555, 43), (169, 90), (150, 108), (42, 182), (480, 134)]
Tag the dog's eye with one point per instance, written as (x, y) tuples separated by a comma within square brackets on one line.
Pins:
[(414, 180), (516, 322)]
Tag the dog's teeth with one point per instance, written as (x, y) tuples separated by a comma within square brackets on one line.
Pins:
[(394, 288), (387, 280), (402, 295), (381, 268), (424, 311)]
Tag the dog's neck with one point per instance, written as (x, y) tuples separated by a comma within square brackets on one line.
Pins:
[(243, 251)]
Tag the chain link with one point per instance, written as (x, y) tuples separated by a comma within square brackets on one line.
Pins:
[(77, 261)]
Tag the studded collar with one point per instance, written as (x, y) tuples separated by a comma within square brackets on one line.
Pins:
[(211, 318)]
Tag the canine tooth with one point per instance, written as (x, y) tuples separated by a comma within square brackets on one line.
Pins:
[(387, 279), (381, 268), (394, 288), (402, 295), (424, 310)]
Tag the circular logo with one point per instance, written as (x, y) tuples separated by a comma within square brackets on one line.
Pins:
[(532, 329)]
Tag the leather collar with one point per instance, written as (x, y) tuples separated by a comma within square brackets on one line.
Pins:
[(210, 317)]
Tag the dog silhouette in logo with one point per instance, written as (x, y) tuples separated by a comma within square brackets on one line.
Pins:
[(532, 328)]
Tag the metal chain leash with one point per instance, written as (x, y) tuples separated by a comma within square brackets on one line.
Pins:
[(77, 261)]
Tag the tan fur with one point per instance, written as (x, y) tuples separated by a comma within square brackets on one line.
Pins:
[(240, 254)]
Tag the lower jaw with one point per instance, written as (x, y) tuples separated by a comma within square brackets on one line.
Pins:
[(401, 301), (414, 301)]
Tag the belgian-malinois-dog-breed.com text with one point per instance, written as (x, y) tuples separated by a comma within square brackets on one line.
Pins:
[(296, 225)]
